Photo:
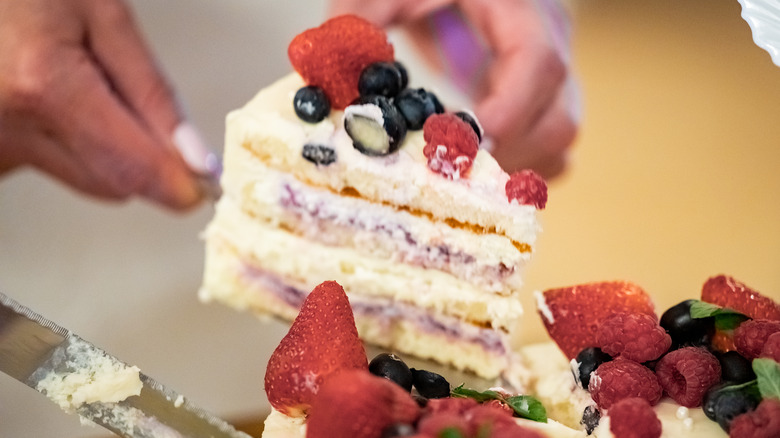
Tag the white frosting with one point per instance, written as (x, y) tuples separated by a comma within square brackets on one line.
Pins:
[(89, 377)]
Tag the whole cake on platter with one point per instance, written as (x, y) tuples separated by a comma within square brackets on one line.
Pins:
[(708, 368), (343, 171)]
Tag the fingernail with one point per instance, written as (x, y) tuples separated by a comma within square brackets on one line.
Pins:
[(192, 148)]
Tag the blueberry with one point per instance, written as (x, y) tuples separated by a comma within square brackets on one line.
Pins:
[(398, 429), (471, 119), (735, 368), (415, 105), (404, 74), (392, 368), (311, 105), (588, 360), (382, 78), (722, 403), (319, 154), (430, 384), (375, 125), (590, 418), (685, 330)]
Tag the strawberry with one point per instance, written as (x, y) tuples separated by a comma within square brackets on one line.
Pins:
[(333, 55), (322, 340), (725, 291), (572, 315), (358, 404)]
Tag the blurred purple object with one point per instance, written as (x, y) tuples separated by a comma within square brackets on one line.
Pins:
[(464, 54)]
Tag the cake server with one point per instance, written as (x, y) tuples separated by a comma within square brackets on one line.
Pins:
[(36, 352)]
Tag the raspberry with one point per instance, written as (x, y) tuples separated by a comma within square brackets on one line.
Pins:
[(457, 405), (450, 145), (750, 336), (634, 418), (528, 188), (634, 336), (333, 55), (772, 347), (764, 422), (437, 423), (686, 374), (623, 378)]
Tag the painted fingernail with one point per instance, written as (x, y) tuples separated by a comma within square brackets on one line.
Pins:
[(463, 52), (192, 148)]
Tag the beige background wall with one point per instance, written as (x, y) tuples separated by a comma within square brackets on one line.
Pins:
[(674, 178)]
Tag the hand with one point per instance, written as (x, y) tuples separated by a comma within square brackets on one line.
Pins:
[(81, 99), (525, 99)]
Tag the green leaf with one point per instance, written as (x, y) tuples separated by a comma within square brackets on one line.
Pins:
[(529, 407), (725, 318), (450, 432), (768, 376), (483, 396)]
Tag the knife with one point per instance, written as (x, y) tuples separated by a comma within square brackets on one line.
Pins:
[(85, 380)]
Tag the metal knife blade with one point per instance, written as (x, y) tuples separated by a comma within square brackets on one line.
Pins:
[(34, 349)]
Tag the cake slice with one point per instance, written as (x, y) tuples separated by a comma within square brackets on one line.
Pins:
[(387, 194)]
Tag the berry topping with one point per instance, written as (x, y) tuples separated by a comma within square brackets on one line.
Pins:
[(573, 314), (333, 55), (416, 105), (443, 424), (684, 329), (734, 368), (355, 403), (311, 105), (591, 417), (471, 119), (764, 422), (527, 188), (430, 384), (321, 341), (375, 125), (687, 374), (457, 405), (727, 292), (319, 154), (635, 336), (587, 361), (397, 430), (750, 336), (623, 378), (382, 78), (450, 145), (392, 368), (634, 418), (772, 347), (723, 403), (404, 74)]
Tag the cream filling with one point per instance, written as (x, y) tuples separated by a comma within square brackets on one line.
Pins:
[(268, 125), (309, 263)]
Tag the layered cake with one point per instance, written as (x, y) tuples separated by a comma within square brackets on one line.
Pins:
[(343, 171), (715, 373)]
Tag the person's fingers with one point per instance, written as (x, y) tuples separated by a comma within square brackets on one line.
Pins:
[(114, 39), (114, 146), (545, 146)]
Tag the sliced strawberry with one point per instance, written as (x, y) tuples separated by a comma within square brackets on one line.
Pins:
[(333, 55), (572, 314), (358, 404), (725, 291), (322, 340)]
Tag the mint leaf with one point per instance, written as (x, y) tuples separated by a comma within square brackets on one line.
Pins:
[(526, 406), (768, 376), (450, 432), (484, 396), (700, 309), (725, 318)]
